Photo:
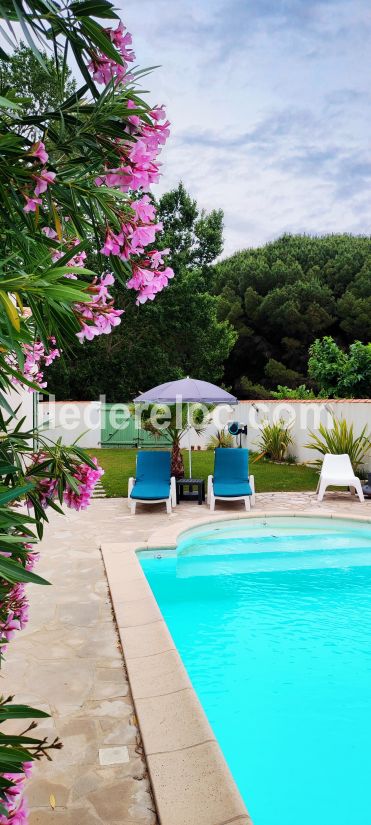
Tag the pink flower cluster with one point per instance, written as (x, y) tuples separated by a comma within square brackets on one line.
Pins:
[(148, 279), (136, 233), (150, 275), (36, 358), (138, 167), (16, 603), (99, 316), (47, 488), (86, 478), (43, 179), (15, 803), (103, 68), (17, 613)]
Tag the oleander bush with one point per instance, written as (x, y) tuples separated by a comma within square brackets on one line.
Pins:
[(72, 178)]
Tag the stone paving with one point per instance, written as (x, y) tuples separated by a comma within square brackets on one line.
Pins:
[(68, 662)]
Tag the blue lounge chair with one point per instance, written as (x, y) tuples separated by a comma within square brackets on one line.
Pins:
[(231, 480), (152, 483)]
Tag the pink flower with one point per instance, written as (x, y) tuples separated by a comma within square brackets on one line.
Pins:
[(133, 119), (31, 204), (158, 113), (86, 478), (50, 233), (139, 154), (144, 210), (43, 180), (157, 257), (107, 280), (148, 282), (111, 244), (99, 310), (14, 802), (36, 357), (144, 235), (87, 332), (105, 69), (38, 151)]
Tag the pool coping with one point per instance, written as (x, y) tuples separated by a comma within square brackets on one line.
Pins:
[(191, 781)]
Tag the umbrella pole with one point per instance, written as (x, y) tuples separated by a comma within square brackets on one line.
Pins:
[(189, 442)]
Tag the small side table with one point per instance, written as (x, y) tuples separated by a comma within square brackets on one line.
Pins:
[(190, 495)]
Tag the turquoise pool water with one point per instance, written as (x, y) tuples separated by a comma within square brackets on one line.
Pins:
[(272, 619)]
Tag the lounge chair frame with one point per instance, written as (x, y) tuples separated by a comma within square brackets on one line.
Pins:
[(211, 497), (339, 474), (170, 501)]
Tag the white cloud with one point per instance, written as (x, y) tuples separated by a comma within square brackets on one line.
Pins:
[(270, 109)]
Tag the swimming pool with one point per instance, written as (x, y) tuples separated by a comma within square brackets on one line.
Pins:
[(272, 618)]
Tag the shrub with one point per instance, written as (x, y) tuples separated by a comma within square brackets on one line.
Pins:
[(302, 392), (274, 440), (339, 440), (220, 439)]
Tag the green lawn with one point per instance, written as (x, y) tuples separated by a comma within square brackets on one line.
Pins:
[(119, 464)]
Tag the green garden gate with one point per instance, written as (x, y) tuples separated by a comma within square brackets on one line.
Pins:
[(119, 431)]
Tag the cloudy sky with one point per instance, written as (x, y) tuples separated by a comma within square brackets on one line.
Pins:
[(270, 104)]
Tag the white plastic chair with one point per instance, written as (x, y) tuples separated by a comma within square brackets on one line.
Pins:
[(337, 470)]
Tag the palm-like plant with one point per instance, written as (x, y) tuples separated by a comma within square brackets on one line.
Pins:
[(341, 439), (171, 423), (274, 440)]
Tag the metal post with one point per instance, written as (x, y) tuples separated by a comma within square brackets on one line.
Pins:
[(189, 442), (35, 419)]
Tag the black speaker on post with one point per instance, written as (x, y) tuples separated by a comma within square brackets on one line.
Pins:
[(237, 429)]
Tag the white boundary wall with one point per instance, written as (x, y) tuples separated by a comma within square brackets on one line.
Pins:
[(73, 419), (306, 417), (23, 399)]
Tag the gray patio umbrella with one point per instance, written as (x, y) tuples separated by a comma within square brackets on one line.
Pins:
[(186, 390)]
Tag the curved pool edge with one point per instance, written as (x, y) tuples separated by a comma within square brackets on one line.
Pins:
[(169, 536), (191, 782)]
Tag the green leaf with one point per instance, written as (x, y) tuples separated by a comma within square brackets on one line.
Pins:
[(10, 711), (6, 468), (95, 33), (11, 310), (14, 493), (13, 572), (95, 7), (14, 755), (7, 739), (8, 104)]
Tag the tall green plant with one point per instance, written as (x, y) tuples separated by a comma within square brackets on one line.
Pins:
[(222, 438), (341, 439), (274, 440)]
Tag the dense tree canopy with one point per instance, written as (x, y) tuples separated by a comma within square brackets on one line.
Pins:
[(283, 296), (339, 373), (41, 86), (176, 335)]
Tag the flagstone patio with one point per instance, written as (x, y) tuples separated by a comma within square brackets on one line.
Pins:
[(69, 662)]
